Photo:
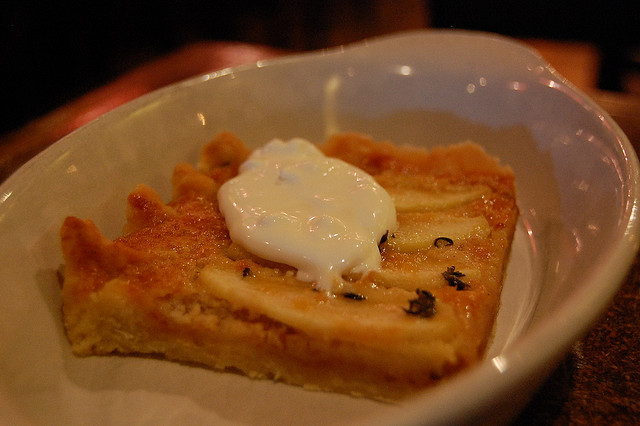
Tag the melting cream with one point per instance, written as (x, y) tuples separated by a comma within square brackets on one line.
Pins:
[(292, 204)]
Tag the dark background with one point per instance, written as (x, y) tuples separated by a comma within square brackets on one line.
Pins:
[(53, 52), (612, 26)]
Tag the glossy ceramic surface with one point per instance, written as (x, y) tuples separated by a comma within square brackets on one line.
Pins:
[(577, 178)]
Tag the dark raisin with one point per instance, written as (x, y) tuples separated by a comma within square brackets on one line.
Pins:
[(453, 277), (354, 296), (442, 242), (424, 305)]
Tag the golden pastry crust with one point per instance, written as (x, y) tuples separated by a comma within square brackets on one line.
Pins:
[(175, 284)]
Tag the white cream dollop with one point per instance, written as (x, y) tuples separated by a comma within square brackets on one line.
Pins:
[(291, 204)]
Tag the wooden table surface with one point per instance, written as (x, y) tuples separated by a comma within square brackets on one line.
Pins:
[(597, 383)]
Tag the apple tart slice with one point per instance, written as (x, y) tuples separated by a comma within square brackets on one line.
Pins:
[(175, 284)]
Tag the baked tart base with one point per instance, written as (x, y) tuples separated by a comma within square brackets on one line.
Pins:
[(174, 283)]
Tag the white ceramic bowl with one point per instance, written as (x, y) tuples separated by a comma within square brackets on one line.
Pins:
[(577, 178)]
